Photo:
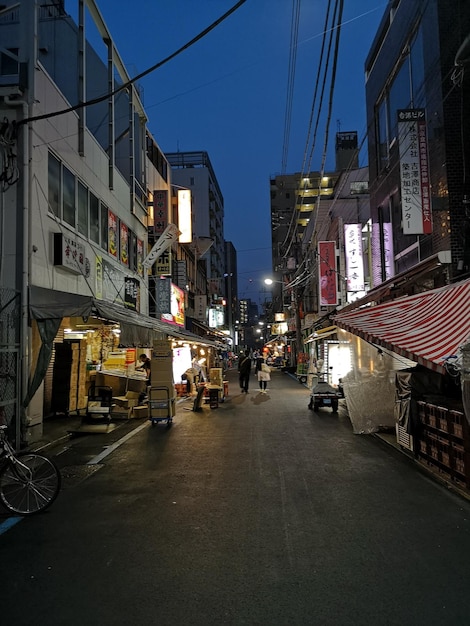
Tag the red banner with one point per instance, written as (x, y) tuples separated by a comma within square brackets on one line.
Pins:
[(327, 273)]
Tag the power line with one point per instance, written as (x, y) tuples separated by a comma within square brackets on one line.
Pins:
[(139, 76)]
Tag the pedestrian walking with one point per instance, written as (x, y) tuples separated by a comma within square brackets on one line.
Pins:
[(244, 369), (263, 373)]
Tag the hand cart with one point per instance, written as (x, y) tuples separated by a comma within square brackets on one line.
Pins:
[(99, 404), (161, 406)]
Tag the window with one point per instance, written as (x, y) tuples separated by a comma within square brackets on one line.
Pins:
[(132, 251), (104, 227), (417, 71), (382, 135), (54, 192), (82, 204), (9, 66), (68, 196), (399, 96), (94, 218)]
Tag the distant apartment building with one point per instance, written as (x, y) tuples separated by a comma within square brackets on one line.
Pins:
[(194, 171), (307, 209)]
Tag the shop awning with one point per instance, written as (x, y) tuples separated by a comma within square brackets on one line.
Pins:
[(321, 333), (426, 328), (136, 329)]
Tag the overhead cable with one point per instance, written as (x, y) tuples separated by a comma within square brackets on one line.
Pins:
[(139, 76), (294, 36)]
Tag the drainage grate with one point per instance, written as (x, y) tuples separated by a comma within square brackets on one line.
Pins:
[(73, 475)]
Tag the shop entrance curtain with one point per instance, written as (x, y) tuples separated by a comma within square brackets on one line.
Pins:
[(49, 307)]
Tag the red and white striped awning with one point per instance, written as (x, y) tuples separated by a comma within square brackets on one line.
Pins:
[(426, 328)]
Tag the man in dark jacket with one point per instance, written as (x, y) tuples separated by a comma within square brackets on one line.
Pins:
[(244, 369)]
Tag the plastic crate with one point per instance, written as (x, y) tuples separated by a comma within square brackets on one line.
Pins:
[(459, 459), (456, 423), (441, 418)]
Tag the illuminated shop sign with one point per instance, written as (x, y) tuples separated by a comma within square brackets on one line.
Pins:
[(354, 258), (184, 216), (170, 302)]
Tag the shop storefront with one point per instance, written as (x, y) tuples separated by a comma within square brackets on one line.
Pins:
[(404, 373), (79, 342)]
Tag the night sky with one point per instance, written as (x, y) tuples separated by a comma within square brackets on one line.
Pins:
[(227, 95)]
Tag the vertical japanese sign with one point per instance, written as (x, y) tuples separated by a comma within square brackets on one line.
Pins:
[(132, 293), (160, 211), (163, 264), (327, 273), (414, 172), (124, 244), (112, 234), (382, 253), (354, 258)]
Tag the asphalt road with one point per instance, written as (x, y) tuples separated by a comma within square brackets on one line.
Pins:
[(260, 512)]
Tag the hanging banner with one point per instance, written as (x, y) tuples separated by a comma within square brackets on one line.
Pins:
[(414, 172), (354, 259), (112, 234), (327, 273), (124, 247)]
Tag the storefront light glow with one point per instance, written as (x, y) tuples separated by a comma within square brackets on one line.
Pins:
[(184, 216)]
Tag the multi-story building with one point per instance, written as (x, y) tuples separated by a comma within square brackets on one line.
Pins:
[(418, 118), (307, 210), (413, 84), (79, 175), (194, 171)]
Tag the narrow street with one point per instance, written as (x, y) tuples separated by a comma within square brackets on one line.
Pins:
[(258, 512)]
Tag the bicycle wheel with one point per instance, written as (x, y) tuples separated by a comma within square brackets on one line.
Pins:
[(29, 484)]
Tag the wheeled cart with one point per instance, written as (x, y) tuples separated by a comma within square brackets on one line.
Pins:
[(99, 403), (161, 405)]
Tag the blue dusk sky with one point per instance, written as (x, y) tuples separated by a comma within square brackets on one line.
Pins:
[(226, 95)]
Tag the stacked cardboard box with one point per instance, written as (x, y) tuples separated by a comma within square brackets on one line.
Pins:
[(162, 392), (123, 406), (216, 376), (69, 377)]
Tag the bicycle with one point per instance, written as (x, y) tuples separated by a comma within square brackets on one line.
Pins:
[(29, 482)]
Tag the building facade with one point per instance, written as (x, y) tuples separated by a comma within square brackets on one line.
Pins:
[(83, 182), (411, 70), (194, 171)]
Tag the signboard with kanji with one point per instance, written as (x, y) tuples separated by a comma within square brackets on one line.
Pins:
[(327, 273), (414, 172)]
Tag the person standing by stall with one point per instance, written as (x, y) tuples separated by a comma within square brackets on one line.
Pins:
[(145, 366), (244, 369)]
